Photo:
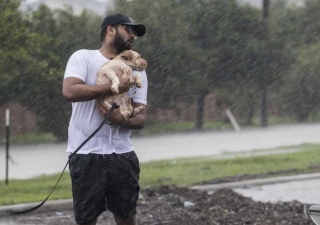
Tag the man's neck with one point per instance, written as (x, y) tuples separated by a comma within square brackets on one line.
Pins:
[(107, 52)]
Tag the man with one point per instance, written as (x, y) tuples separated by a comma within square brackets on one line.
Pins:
[(105, 171)]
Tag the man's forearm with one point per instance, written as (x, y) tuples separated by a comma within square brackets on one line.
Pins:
[(136, 122), (75, 90), (83, 92)]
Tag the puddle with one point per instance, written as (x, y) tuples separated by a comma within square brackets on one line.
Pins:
[(305, 191)]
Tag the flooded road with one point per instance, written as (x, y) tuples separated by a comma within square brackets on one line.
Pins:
[(34, 160)]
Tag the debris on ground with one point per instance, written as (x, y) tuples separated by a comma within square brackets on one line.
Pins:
[(172, 205)]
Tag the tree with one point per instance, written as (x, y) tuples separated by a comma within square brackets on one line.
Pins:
[(232, 36), (60, 34), (308, 26), (166, 48), (298, 28), (34, 51), (13, 52), (301, 94), (190, 57)]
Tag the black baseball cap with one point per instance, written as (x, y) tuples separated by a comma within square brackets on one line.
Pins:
[(119, 18)]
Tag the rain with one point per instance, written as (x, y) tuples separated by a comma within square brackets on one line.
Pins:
[(233, 114)]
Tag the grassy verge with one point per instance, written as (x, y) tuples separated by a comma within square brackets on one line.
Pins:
[(182, 126), (196, 170), (33, 138), (187, 126), (172, 172)]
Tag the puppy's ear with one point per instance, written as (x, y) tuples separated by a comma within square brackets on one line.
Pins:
[(127, 55)]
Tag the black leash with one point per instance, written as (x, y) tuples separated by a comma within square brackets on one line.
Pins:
[(114, 106)]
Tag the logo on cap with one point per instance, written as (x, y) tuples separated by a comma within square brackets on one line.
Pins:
[(131, 19)]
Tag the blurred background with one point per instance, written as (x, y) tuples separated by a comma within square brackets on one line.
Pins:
[(257, 59)]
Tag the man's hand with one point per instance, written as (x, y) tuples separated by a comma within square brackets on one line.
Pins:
[(136, 122), (115, 117)]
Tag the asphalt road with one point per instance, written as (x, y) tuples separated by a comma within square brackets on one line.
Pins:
[(34, 160)]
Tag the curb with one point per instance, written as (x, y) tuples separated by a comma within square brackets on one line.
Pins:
[(55, 205), (256, 182)]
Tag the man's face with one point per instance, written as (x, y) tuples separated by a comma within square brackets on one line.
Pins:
[(123, 40)]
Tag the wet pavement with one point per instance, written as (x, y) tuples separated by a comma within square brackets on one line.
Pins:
[(306, 191), (303, 188)]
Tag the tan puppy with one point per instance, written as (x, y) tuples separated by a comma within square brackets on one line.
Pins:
[(122, 65)]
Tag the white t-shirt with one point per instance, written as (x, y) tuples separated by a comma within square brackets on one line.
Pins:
[(85, 118)]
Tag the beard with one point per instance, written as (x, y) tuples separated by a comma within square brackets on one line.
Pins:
[(120, 44)]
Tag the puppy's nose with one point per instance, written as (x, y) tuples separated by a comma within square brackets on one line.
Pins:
[(144, 62)]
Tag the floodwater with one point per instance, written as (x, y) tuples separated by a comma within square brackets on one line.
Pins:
[(306, 191), (34, 160)]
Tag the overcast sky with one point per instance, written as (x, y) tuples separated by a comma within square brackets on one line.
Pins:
[(100, 6)]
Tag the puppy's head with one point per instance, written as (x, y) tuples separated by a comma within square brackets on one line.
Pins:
[(132, 59)]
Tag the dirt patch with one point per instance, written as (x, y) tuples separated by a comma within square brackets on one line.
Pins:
[(182, 206)]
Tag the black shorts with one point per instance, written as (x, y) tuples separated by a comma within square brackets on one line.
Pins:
[(101, 182)]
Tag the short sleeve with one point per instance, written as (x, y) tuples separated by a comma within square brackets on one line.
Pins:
[(77, 66), (140, 94)]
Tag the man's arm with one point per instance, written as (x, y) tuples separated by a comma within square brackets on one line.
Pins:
[(75, 90), (136, 122)]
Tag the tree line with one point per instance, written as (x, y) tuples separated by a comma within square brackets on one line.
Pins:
[(193, 47)]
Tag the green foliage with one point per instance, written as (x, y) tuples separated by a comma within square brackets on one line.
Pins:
[(13, 49), (308, 25), (31, 139), (298, 27), (301, 94), (57, 29), (36, 189), (166, 48), (181, 126), (35, 49), (197, 170)]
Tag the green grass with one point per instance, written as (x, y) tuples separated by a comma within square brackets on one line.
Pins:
[(171, 172), (22, 191), (187, 126), (181, 126), (34, 138), (195, 170)]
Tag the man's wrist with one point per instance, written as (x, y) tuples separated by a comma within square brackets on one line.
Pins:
[(123, 122)]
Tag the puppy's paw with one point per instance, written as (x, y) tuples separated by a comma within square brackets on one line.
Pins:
[(114, 89), (137, 110), (137, 79)]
